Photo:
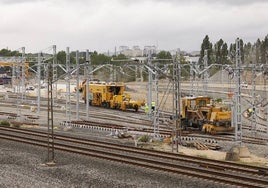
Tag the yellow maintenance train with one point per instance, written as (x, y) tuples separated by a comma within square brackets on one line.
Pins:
[(109, 95), (198, 112)]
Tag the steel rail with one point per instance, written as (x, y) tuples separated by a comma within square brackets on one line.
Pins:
[(208, 163), (212, 175)]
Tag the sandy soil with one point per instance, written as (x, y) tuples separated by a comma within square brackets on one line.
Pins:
[(211, 154)]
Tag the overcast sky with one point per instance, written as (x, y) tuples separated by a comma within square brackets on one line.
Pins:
[(103, 24)]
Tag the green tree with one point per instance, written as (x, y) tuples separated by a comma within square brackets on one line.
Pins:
[(99, 59), (257, 47), (185, 69), (61, 57), (120, 57), (6, 52), (224, 53), (248, 52), (221, 52), (232, 51), (206, 45), (264, 50), (164, 55), (242, 51)]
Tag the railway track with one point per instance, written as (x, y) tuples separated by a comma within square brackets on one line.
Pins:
[(129, 117), (245, 139), (96, 112), (217, 171), (120, 120), (162, 133), (138, 126)]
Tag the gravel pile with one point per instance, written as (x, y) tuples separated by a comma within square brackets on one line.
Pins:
[(258, 150), (23, 166)]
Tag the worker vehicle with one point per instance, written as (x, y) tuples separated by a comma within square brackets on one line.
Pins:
[(199, 113), (109, 95)]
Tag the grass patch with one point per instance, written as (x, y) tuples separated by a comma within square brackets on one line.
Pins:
[(144, 138), (5, 123)]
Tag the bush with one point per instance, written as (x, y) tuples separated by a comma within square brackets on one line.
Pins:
[(219, 100), (5, 123), (144, 138)]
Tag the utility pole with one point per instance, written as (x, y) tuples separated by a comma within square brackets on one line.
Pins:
[(176, 101), (23, 64), (14, 66), (149, 97), (50, 125), (253, 94), (77, 84), (191, 79), (87, 71), (39, 82), (156, 107), (55, 74), (205, 86), (237, 107), (68, 77)]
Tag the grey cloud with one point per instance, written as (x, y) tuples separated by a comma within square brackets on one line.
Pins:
[(178, 2), (130, 2), (16, 1)]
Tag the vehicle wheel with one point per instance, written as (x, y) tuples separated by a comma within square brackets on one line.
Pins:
[(136, 108)]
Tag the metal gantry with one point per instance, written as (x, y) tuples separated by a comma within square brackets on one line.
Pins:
[(50, 118), (55, 73), (191, 79), (237, 114), (39, 82), (87, 75), (176, 102), (205, 81), (150, 79), (23, 61), (68, 77), (156, 105), (77, 84), (253, 95)]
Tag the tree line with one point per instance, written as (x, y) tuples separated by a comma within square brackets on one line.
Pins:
[(220, 53)]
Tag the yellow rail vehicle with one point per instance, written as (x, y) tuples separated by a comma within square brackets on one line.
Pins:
[(198, 112), (16, 64), (110, 95)]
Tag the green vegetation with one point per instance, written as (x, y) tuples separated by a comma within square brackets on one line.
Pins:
[(5, 123), (144, 138), (6, 52), (163, 55), (218, 100), (218, 53)]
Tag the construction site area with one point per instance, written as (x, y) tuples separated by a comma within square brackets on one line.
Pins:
[(188, 119)]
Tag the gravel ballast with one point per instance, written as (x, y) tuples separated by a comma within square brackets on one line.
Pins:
[(23, 166)]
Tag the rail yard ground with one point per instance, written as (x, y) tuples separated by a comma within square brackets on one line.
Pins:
[(23, 165)]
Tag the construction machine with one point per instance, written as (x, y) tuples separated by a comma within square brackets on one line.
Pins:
[(200, 113), (109, 95)]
